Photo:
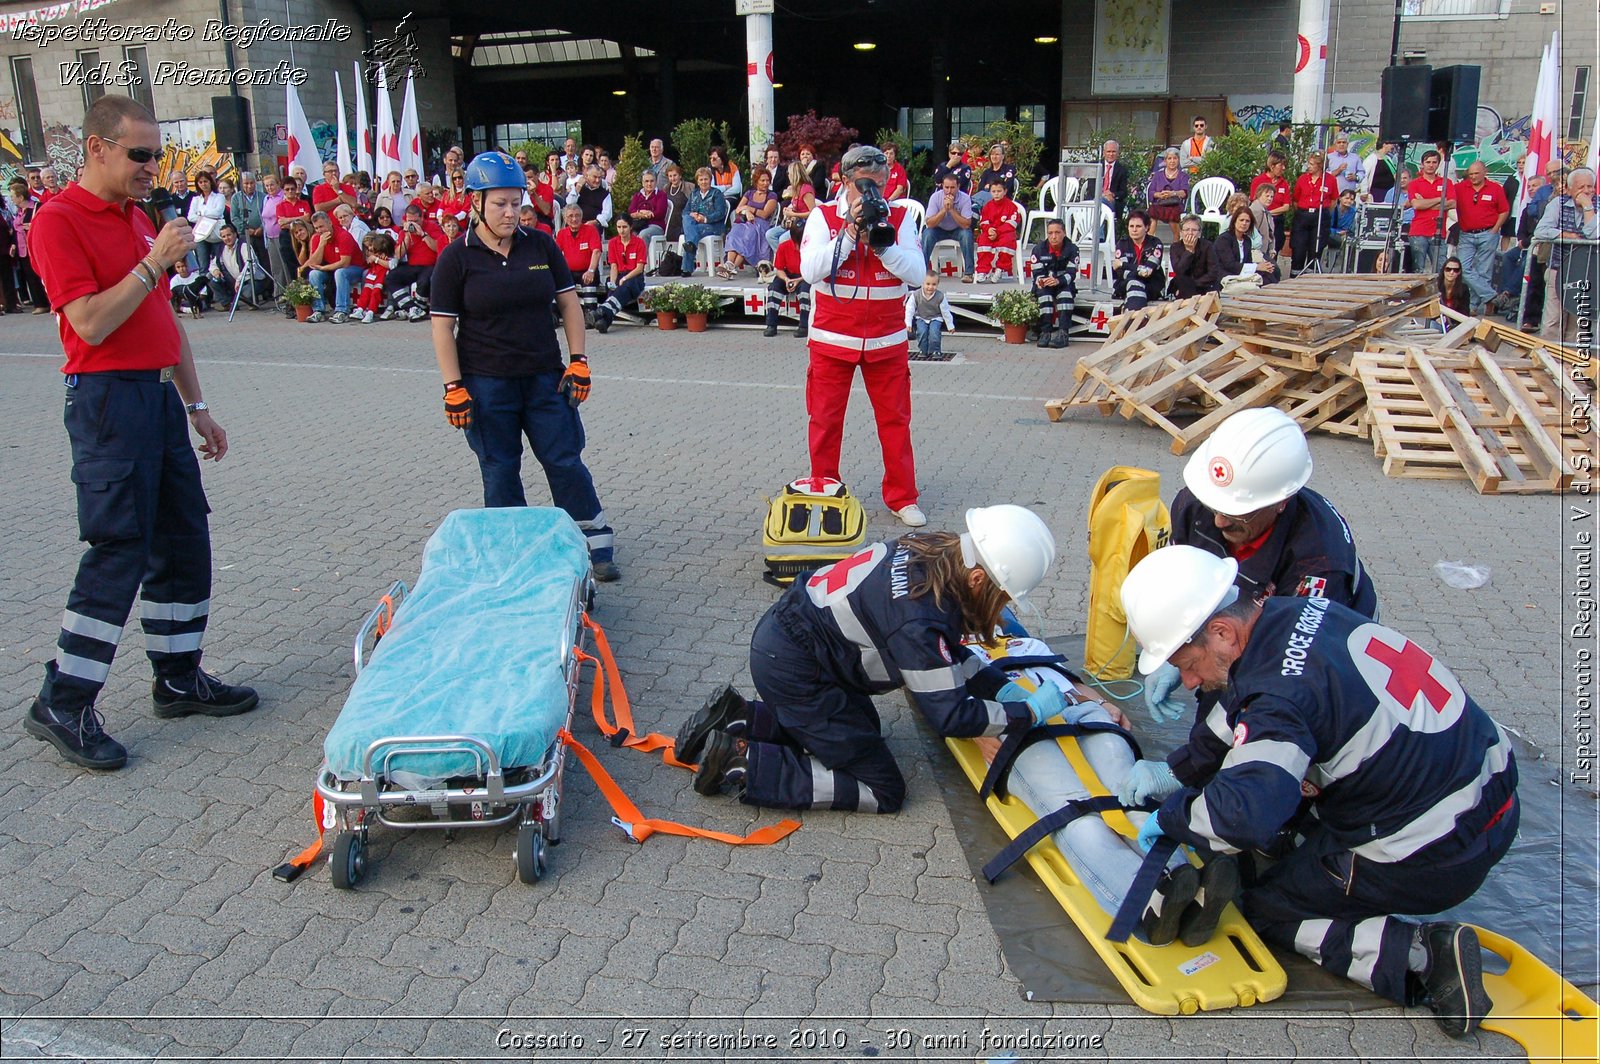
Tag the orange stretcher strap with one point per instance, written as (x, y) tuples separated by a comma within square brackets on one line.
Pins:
[(621, 733), (640, 827), (295, 866)]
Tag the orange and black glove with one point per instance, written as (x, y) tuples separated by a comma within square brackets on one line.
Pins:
[(457, 405), (575, 382)]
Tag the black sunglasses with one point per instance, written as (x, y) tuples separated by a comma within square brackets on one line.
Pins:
[(135, 155)]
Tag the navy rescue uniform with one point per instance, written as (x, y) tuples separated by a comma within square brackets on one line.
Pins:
[(141, 507), (1402, 788), (850, 631), (1063, 266), (511, 365)]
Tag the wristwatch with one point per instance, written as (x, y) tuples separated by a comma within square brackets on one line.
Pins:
[(195, 408)]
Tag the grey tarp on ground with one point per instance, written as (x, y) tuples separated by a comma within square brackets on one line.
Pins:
[(1544, 894)]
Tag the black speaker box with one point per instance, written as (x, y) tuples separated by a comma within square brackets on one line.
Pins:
[(1406, 91), (1453, 104), (230, 117)]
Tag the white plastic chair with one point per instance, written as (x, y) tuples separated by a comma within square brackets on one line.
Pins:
[(946, 259), (1085, 225), (917, 210), (658, 248), (1048, 193), (1207, 197)]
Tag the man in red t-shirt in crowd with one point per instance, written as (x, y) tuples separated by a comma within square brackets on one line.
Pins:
[(1481, 209), (1429, 196), (335, 254), (1315, 194), (627, 255), (330, 193), (421, 240), (1277, 164), (581, 243), (131, 384), (787, 282)]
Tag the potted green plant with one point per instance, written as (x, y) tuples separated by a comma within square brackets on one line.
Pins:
[(1015, 310), (663, 300), (300, 296), (698, 303)]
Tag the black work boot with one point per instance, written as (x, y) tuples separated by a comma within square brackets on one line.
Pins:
[(1061, 338), (200, 692), (1175, 890), (602, 318), (1219, 884), (724, 707), (76, 733), (607, 572), (1044, 337), (1453, 981), (805, 322), (723, 765), (772, 323)]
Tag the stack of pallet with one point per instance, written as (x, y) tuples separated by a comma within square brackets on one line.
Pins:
[(1352, 355)]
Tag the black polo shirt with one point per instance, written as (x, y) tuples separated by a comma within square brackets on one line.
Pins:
[(504, 307)]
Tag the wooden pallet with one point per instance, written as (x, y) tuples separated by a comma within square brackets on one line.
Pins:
[(1335, 404), (1317, 308), (1502, 425)]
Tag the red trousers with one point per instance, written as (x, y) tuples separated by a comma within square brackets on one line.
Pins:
[(888, 382)]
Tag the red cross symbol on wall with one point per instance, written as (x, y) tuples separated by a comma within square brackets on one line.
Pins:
[(949, 269), (1098, 319), (756, 302), (1411, 674), (1027, 269), (837, 575), (1084, 269)]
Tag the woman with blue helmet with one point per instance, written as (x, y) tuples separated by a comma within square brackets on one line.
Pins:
[(497, 291)]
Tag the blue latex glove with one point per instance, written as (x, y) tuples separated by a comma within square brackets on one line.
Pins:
[(1147, 781), (1158, 688), (1150, 832), (1045, 703)]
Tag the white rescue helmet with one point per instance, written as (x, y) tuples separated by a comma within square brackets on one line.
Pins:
[(1255, 458), (1012, 544), (1168, 596)]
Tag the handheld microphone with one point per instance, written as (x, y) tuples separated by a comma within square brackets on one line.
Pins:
[(162, 202)]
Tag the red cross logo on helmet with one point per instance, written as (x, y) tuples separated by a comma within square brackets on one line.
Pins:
[(1221, 472)]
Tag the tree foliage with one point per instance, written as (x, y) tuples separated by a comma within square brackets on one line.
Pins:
[(825, 133), (692, 140), (631, 162)]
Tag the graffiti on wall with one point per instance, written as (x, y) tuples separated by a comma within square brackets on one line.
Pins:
[(1499, 143), (190, 145)]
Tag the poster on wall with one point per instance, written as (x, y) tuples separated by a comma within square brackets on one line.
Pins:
[(1131, 46)]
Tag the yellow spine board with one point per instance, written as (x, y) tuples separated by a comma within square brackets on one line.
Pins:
[(1127, 520), (1533, 1005), (1233, 970)]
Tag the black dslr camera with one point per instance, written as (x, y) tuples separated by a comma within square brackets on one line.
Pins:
[(875, 215)]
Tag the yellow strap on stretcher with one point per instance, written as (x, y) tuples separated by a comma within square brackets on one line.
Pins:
[(1533, 1005)]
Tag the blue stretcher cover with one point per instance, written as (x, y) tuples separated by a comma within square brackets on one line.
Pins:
[(479, 648)]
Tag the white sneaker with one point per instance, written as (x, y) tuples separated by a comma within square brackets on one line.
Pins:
[(912, 516), (367, 318)]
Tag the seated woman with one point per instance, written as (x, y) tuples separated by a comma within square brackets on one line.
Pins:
[(1169, 191), (1453, 292), (300, 235), (705, 213), (1194, 264), (747, 239), (799, 199), (1136, 271), (647, 211), (1238, 249), (725, 174), (626, 256)]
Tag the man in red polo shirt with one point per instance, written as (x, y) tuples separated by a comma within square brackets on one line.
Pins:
[(581, 244), (330, 193), (334, 254), (1277, 165), (1315, 193), (131, 382), (1429, 197), (293, 205), (1481, 209)]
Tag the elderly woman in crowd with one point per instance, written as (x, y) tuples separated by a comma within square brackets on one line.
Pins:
[(747, 239), (705, 213), (1169, 191), (1194, 264)]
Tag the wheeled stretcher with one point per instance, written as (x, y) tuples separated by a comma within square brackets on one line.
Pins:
[(457, 716)]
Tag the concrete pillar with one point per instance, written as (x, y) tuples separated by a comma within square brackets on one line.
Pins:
[(758, 71)]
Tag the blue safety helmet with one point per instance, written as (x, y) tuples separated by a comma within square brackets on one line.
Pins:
[(493, 169)]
